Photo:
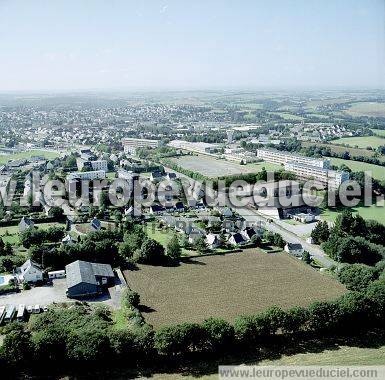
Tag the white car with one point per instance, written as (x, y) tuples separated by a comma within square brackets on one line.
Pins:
[(29, 309)]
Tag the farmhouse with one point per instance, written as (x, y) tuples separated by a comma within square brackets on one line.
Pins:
[(87, 279), (29, 272)]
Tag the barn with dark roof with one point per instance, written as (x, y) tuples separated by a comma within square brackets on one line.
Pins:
[(86, 279)]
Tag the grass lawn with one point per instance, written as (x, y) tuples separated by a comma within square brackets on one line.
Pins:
[(375, 212), (270, 167), (10, 234), (227, 286), (212, 167), (28, 154), (378, 172), (163, 237), (361, 142)]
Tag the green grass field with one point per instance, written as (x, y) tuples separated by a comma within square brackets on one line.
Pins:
[(374, 109), (379, 132), (339, 355), (375, 212), (28, 154), (287, 116), (378, 172), (163, 237), (212, 167), (11, 234), (354, 152), (361, 142)]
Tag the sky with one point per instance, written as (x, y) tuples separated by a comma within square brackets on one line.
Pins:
[(191, 44)]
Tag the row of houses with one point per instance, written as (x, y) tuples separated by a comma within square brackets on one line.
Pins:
[(234, 233)]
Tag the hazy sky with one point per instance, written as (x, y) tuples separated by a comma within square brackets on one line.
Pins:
[(107, 44)]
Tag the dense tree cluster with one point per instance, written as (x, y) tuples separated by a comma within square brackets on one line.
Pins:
[(274, 239), (320, 233), (353, 240), (34, 236), (137, 247)]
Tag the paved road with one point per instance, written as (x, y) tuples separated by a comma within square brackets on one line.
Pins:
[(253, 216)]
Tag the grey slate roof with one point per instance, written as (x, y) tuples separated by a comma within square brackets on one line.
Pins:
[(83, 271)]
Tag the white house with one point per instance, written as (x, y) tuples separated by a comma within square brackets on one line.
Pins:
[(294, 249), (25, 224), (213, 241), (29, 272)]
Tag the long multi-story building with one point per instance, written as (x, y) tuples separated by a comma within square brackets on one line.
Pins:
[(92, 165), (326, 177), (88, 176), (131, 144), (282, 157)]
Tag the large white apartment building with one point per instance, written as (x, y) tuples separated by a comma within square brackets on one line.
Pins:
[(325, 177), (282, 157), (88, 176), (131, 144), (92, 165)]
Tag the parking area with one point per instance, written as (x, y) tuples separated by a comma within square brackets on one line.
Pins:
[(42, 295), (56, 293)]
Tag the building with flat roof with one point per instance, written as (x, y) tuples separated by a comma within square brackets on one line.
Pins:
[(282, 157), (131, 144), (91, 165), (196, 147), (325, 177), (91, 175)]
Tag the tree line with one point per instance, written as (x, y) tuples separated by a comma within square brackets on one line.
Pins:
[(80, 335)]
